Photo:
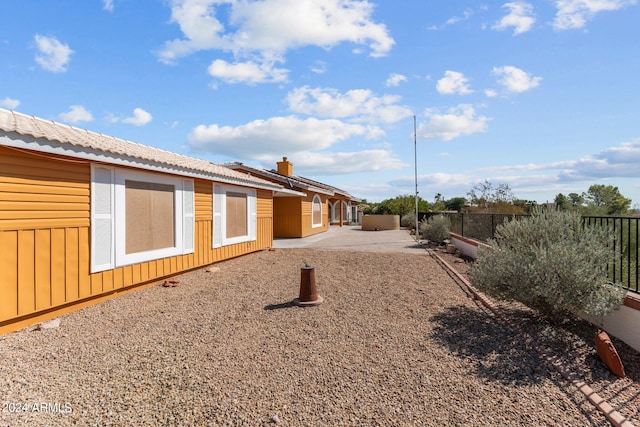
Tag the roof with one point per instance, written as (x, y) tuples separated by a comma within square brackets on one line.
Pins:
[(71, 141), (290, 181)]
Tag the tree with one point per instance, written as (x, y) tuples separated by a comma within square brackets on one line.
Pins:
[(484, 198), (576, 200), (552, 262), (599, 199), (401, 205), (606, 200), (438, 203), (527, 206), (455, 204), (562, 202)]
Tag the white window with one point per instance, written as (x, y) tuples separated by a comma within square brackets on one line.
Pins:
[(139, 216), (234, 215), (316, 212), (346, 212), (336, 212)]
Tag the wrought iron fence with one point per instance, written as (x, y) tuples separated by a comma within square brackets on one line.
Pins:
[(623, 268)]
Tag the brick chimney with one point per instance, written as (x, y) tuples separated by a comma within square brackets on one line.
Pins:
[(285, 167)]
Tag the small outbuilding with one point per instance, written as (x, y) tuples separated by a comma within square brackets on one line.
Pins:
[(85, 216)]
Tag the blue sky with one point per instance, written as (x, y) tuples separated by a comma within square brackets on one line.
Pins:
[(543, 96)]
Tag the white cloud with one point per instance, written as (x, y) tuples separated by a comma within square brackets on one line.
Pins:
[(140, 118), (9, 103), (453, 82), (359, 105), (520, 17), (458, 121), (338, 163), (455, 19), (263, 139), (574, 14), (76, 113), (107, 5), (319, 67), (246, 72), (490, 93), (53, 56), (613, 162), (395, 79), (261, 31), (468, 13), (516, 80)]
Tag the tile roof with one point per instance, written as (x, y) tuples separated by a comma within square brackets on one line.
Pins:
[(291, 180), (14, 122)]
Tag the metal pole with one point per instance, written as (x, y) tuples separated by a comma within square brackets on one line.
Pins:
[(415, 156)]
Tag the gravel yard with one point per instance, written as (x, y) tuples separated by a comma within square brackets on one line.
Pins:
[(397, 342)]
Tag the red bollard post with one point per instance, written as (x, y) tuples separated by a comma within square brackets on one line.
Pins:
[(308, 291)]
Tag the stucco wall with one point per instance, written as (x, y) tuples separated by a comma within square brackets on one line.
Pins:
[(380, 222)]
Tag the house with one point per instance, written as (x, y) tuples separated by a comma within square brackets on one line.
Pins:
[(316, 208), (85, 216)]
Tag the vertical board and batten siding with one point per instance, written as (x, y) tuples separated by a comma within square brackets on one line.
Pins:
[(292, 216), (287, 217), (307, 214), (45, 239)]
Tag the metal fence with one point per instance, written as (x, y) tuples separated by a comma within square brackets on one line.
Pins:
[(623, 267)]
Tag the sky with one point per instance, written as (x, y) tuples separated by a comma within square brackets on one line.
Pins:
[(542, 96)]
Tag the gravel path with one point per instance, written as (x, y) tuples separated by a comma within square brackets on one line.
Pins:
[(396, 343)]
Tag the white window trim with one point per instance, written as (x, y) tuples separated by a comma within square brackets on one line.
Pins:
[(346, 212), (336, 212), (183, 217), (219, 237), (313, 202)]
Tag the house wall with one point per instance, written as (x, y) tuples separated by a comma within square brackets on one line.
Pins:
[(45, 240), (287, 217), (307, 208)]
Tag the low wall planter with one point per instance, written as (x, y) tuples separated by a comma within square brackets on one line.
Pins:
[(380, 222)]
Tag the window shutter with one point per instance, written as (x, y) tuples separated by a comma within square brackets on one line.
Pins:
[(218, 200), (102, 216), (188, 217), (253, 215)]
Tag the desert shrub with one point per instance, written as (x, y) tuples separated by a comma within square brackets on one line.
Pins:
[(436, 228), (408, 220), (551, 262)]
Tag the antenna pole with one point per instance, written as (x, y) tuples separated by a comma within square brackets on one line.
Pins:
[(415, 156)]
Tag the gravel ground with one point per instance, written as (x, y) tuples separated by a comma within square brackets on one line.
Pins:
[(573, 344), (397, 342)]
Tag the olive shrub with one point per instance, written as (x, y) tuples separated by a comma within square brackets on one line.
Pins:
[(551, 262), (436, 228)]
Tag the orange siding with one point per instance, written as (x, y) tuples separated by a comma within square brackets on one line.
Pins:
[(287, 217), (45, 240), (307, 207), (39, 192)]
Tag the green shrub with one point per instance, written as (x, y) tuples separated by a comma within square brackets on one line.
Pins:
[(408, 220), (436, 228), (551, 262)]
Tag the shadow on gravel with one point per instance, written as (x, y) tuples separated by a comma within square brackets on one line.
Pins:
[(489, 349), (280, 306)]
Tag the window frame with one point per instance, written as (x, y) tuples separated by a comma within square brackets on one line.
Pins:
[(219, 229), (315, 199), (111, 231), (346, 211)]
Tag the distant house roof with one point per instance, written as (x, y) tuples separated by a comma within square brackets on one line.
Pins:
[(291, 181), (74, 142)]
